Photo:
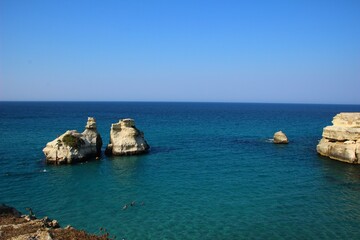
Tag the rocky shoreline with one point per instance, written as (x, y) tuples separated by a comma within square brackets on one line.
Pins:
[(15, 226), (341, 141)]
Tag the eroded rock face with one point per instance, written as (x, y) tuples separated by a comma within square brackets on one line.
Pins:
[(342, 140), (73, 146), (280, 138), (349, 120), (14, 226), (337, 133), (126, 139)]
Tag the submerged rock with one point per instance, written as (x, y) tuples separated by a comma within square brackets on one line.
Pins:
[(126, 139), (342, 140), (73, 146), (280, 138)]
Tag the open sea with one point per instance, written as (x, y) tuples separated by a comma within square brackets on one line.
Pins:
[(212, 172)]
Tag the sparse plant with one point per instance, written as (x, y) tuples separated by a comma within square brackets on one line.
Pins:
[(73, 141)]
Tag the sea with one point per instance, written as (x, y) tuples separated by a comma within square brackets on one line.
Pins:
[(212, 171)]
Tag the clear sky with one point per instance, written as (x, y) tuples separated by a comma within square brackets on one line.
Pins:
[(294, 51)]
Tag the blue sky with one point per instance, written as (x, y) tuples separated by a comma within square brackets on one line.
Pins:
[(219, 51)]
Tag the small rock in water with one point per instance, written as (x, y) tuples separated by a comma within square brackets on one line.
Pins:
[(280, 137)]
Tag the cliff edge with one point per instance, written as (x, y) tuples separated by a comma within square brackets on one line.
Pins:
[(341, 141), (14, 226)]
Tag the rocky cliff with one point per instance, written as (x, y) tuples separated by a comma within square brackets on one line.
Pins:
[(73, 146), (15, 226), (126, 139), (341, 141)]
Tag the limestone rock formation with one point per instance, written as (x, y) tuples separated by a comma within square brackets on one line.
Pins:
[(280, 138), (342, 140), (126, 139), (73, 146)]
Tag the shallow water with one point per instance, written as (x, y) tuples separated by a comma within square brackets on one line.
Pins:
[(212, 172)]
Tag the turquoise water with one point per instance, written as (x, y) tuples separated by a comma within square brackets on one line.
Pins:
[(211, 174)]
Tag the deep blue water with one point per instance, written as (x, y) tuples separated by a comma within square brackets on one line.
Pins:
[(211, 174)]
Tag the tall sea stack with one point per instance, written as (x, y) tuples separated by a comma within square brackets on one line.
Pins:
[(73, 146), (126, 139)]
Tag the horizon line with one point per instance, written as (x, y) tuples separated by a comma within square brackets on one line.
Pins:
[(160, 101)]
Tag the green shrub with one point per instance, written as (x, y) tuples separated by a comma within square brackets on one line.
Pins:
[(72, 141)]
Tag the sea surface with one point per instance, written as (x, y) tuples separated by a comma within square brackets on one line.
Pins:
[(212, 172)]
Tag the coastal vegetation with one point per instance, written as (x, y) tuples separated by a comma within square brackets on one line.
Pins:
[(73, 146), (73, 141)]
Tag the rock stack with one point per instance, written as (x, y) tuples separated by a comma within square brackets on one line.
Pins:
[(280, 138), (126, 139), (341, 141), (73, 146)]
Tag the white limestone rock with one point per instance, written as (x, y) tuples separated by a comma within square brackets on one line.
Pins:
[(323, 147), (341, 133), (342, 140), (280, 138), (126, 139), (351, 120), (73, 146)]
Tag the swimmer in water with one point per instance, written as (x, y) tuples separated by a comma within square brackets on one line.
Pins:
[(125, 207)]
